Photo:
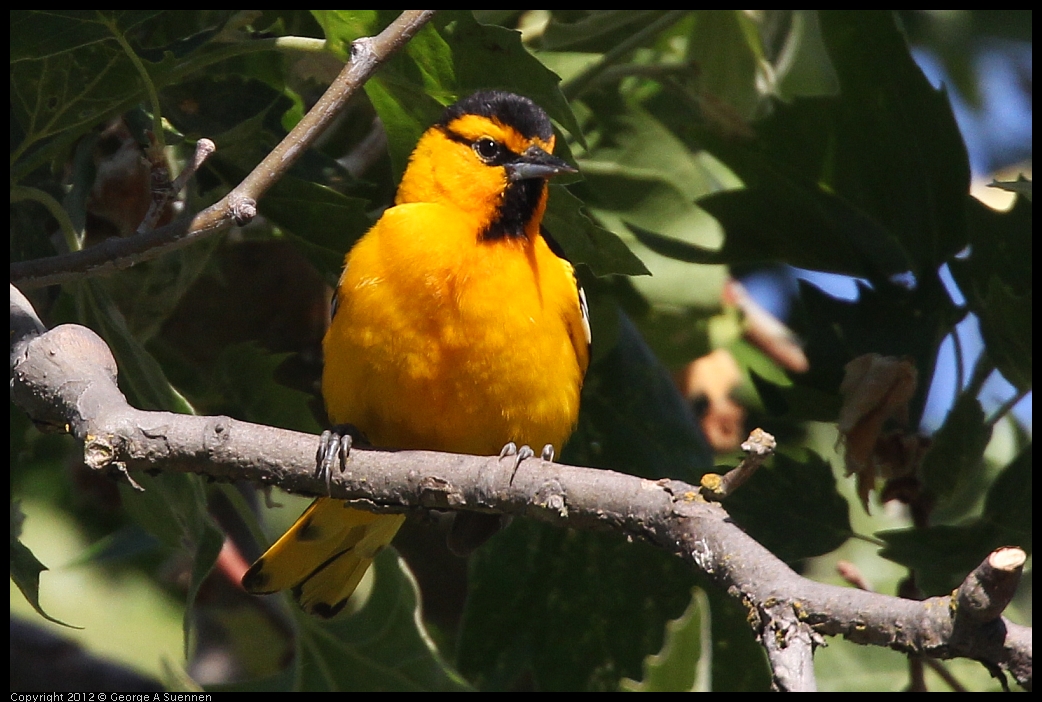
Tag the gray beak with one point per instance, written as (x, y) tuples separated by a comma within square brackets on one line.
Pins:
[(536, 163)]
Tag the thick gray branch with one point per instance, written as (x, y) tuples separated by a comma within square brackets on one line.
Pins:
[(67, 378)]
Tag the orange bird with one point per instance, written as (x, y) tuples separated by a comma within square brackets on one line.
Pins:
[(458, 326)]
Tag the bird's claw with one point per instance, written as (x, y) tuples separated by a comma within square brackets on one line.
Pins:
[(523, 453), (519, 454), (335, 446)]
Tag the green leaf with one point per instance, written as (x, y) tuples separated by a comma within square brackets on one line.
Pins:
[(793, 508), (38, 34), (405, 112), (140, 377), (806, 228), (795, 400), (342, 27), (956, 455), (244, 379), (677, 337), (645, 201), (883, 160), (487, 57), (683, 664), (25, 568), (808, 70), (900, 156), (316, 212), (726, 47), (641, 177), (149, 292), (556, 609), (1008, 507), (408, 96), (68, 72), (584, 241), (941, 556), (999, 241), (632, 417), (997, 282), (435, 60), (383, 646), (230, 109), (739, 662), (637, 146), (594, 30), (1006, 326), (325, 223)]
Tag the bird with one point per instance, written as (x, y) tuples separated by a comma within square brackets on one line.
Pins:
[(458, 325)]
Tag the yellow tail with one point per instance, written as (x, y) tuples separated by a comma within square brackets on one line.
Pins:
[(323, 556)]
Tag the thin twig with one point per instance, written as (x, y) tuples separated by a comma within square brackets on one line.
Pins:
[(1005, 407), (959, 359), (162, 193), (758, 448), (240, 205)]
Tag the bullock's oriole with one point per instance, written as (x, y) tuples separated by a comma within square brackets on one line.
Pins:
[(456, 327)]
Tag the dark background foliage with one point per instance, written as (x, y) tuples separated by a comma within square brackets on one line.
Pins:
[(711, 143)]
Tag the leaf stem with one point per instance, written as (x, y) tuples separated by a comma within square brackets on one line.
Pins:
[(146, 80), (21, 192), (1003, 409), (578, 85)]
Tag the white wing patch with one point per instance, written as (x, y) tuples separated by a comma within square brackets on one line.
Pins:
[(584, 308)]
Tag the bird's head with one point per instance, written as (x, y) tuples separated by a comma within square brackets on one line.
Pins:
[(490, 155)]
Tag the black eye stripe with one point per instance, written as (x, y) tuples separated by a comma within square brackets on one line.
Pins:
[(455, 136), (502, 156)]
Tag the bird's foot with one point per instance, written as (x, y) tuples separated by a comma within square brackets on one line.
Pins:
[(334, 447)]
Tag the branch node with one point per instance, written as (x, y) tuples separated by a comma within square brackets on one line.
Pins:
[(244, 209), (99, 453), (702, 555), (439, 493), (362, 52), (551, 496), (555, 503), (790, 644)]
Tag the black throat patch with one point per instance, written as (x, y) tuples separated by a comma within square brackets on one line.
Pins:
[(521, 198), (519, 203)]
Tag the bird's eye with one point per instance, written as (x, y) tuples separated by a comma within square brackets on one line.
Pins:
[(486, 148)]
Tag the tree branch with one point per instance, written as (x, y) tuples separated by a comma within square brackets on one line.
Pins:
[(66, 378), (240, 205)]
